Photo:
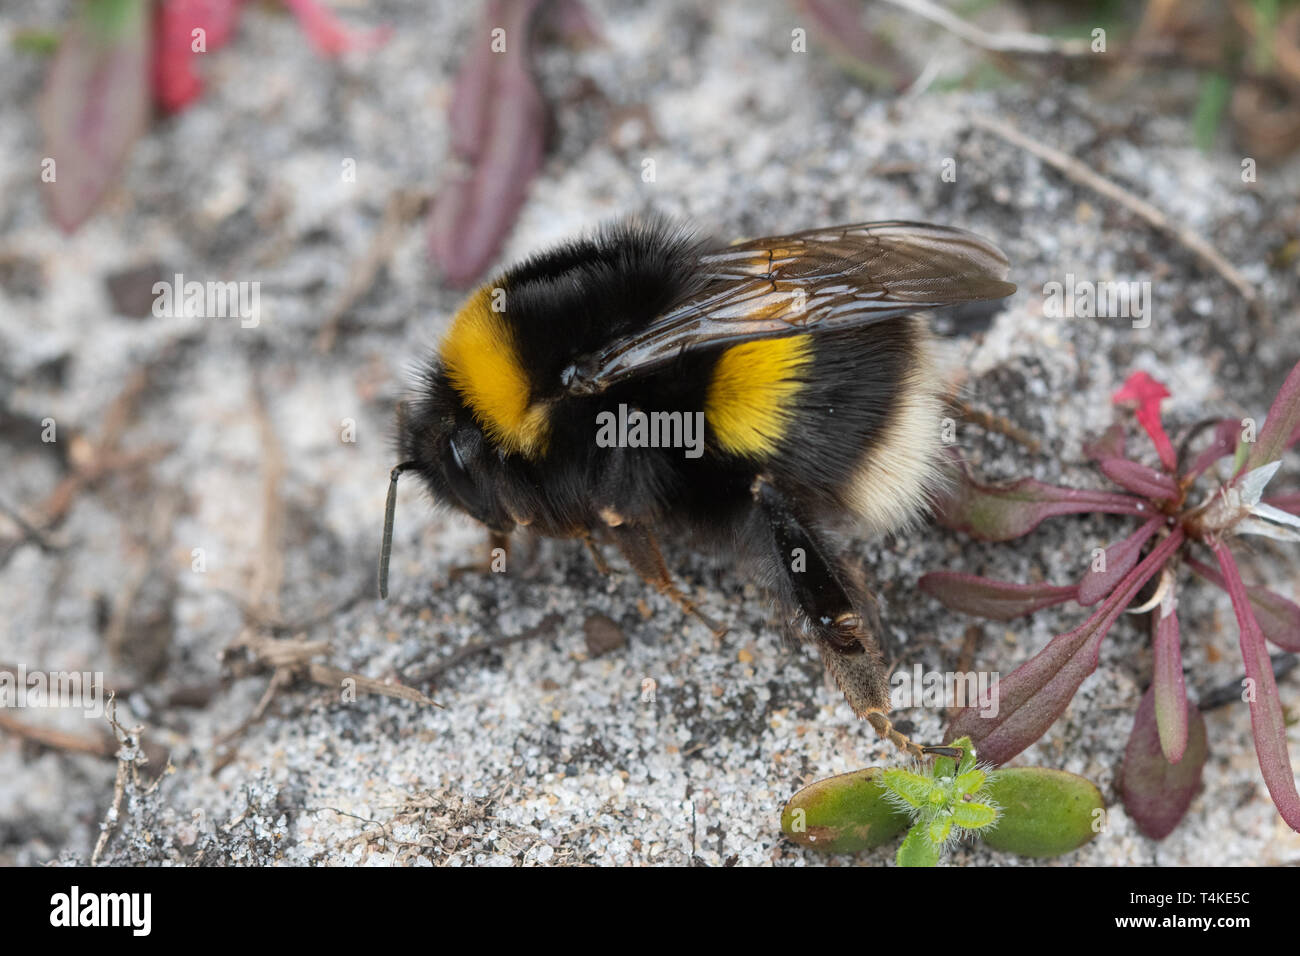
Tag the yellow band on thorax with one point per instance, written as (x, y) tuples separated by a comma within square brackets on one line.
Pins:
[(483, 363)]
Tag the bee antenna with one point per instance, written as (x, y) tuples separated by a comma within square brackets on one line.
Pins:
[(386, 548)]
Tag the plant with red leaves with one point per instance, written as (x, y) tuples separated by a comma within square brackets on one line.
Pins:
[(1167, 749), (120, 57)]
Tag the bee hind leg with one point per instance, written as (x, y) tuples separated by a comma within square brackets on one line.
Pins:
[(812, 585)]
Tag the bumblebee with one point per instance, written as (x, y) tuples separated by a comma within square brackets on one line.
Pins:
[(802, 360)]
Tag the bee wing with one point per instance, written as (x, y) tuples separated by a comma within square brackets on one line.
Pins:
[(822, 279)]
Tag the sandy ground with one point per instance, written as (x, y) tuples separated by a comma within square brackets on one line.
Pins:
[(546, 752)]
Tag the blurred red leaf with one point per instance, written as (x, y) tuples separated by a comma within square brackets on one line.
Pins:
[(175, 81), (328, 34), (1035, 694), (996, 600), (1157, 792), (1226, 435), (1146, 393), (498, 121), (1288, 502), (96, 104), (1280, 428), (1267, 721), (1109, 444)]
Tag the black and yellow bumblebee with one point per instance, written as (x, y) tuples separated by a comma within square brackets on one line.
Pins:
[(802, 356)]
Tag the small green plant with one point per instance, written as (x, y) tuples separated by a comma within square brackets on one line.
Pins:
[(1029, 811), (945, 804)]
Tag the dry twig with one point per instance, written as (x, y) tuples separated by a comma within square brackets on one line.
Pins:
[(1079, 173)]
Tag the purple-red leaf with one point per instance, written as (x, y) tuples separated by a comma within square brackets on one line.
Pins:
[(859, 52), (328, 34), (1226, 435), (1119, 560), (1283, 421), (1277, 617), (1168, 684), (1156, 792), (96, 104), (1110, 444), (1267, 721), (1139, 478), (996, 600), (498, 121), (1287, 502), (1000, 513), (1035, 694)]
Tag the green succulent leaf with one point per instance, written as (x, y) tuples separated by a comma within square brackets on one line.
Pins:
[(843, 814), (917, 849), (1044, 812)]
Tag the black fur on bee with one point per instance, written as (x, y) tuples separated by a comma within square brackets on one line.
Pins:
[(802, 358)]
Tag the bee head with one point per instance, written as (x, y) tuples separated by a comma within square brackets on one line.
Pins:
[(439, 441)]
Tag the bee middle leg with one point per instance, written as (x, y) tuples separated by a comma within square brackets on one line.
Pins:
[(813, 585), (637, 543)]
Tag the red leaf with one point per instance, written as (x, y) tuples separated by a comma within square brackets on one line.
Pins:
[(1287, 502), (996, 600), (175, 82), (993, 513), (1110, 444), (1277, 617), (1156, 792), (96, 104), (1139, 478), (498, 120), (1120, 558), (1143, 390), (1226, 435), (328, 34), (1035, 694), (1168, 683), (1282, 423), (1267, 720)]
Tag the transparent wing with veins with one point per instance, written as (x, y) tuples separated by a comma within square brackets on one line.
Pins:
[(835, 278)]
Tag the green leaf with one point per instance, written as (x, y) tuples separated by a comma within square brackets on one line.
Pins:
[(1044, 812), (843, 814), (973, 816), (971, 782), (1216, 90), (914, 788), (918, 849), (940, 828)]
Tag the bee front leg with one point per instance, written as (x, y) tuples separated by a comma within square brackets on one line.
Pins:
[(814, 586)]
